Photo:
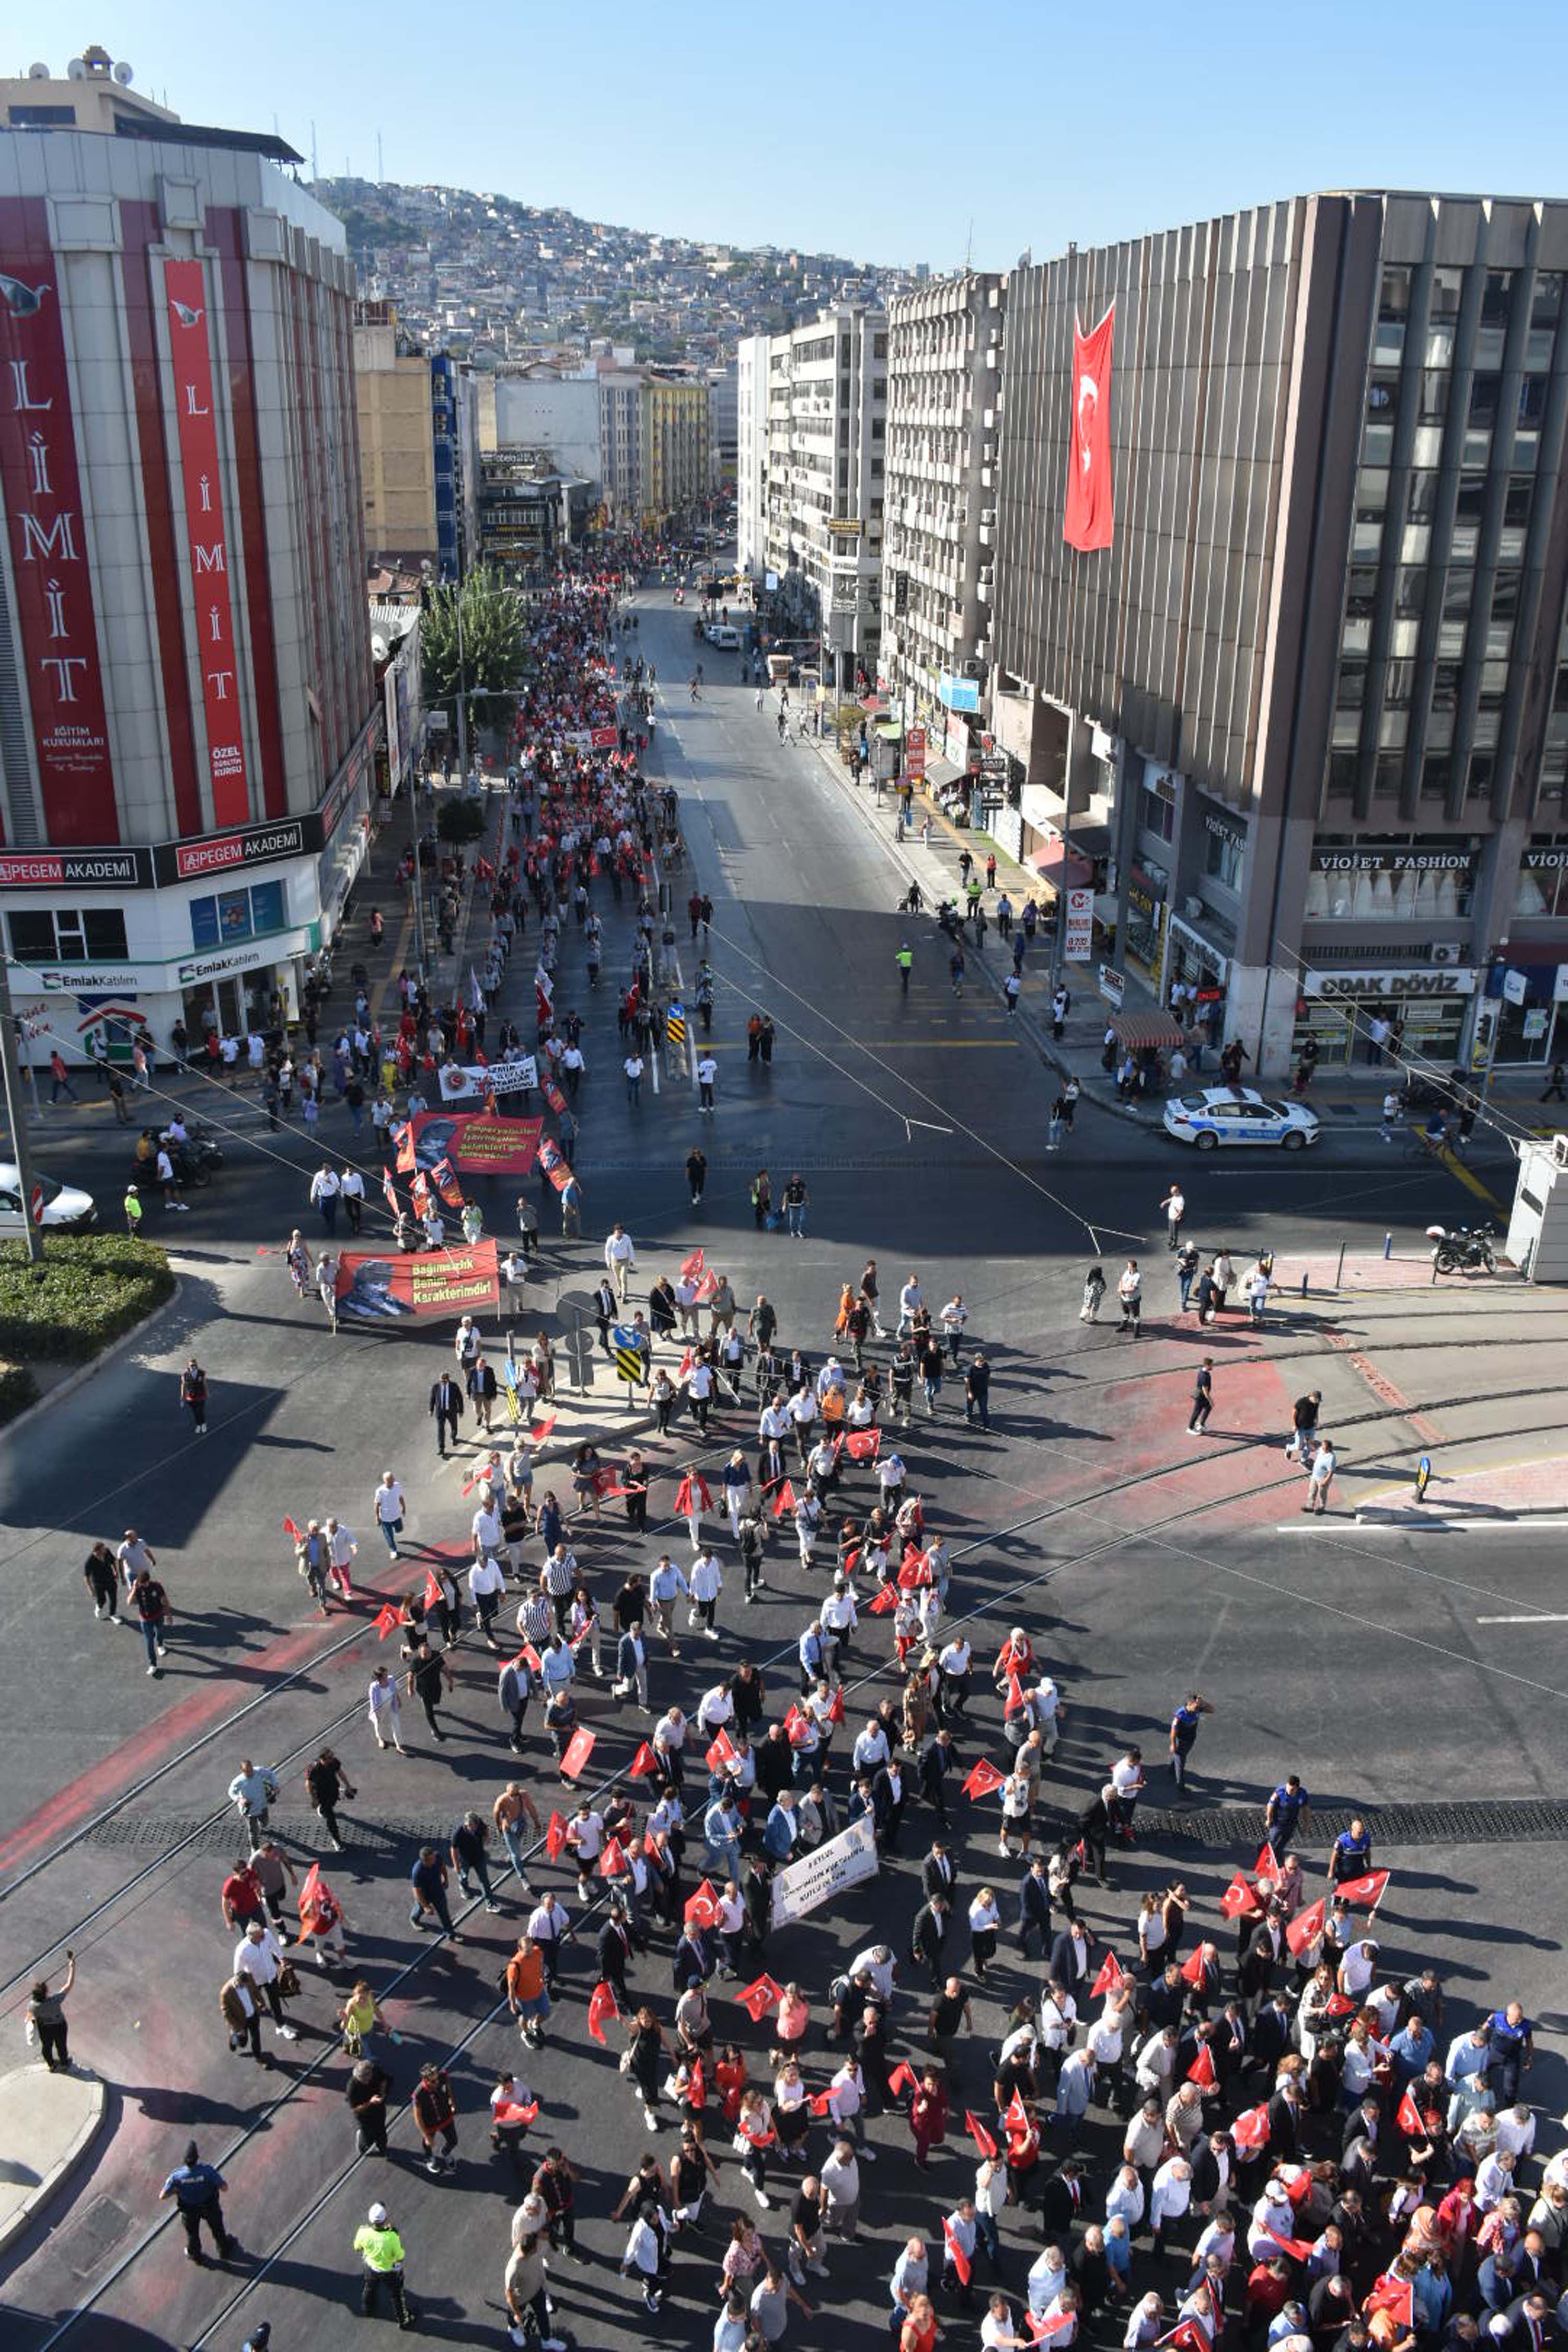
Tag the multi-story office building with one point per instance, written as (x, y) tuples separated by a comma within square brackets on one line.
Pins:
[(676, 443), (1317, 687), (396, 446), (752, 453), (621, 446), (944, 397), (543, 408), (455, 442), (187, 720), (723, 422), (826, 427)]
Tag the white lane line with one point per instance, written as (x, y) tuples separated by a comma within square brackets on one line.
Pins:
[(1523, 1621)]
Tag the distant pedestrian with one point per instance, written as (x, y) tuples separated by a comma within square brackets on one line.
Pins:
[(59, 1078), (1203, 1397), (325, 1190), (47, 2017), (380, 2248), (1129, 1291), (103, 1584), (132, 1205), (1320, 1477), (1175, 1207), (194, 1395), (197, 2191)]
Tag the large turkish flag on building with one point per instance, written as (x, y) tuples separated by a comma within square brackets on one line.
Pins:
[(1087, 521)]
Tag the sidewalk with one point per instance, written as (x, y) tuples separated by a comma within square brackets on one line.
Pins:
[(48, 2124), (1352, 1097)]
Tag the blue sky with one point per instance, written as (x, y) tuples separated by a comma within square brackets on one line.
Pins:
[(881, 132)]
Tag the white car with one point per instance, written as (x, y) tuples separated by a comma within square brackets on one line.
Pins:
[(65, 1210), (1215, 1115), (723, 635)]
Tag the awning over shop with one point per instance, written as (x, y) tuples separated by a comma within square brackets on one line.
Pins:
[(1070, 873), (1153, 1027), (887, 731)]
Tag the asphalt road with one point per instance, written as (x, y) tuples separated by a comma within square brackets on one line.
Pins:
[(1381, 1665)]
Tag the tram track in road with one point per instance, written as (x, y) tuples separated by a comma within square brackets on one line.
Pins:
[(190, 1840)]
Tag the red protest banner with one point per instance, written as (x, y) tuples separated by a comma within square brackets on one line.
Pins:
[(383, 1286)]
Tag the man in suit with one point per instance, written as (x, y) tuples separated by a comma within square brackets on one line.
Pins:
[(615, 1958), (1285, 2122), (1271, 2035), (1062, 2204), (937, 1761), (1071, 1955), (1035, 1905), (929, 1935), (938, 1876), (1527, 2324), (447, 1405)]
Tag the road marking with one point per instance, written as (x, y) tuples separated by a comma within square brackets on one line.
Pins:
[(1523, 1621), (1434, 1524), (1383, 1389), (1456, 1167)]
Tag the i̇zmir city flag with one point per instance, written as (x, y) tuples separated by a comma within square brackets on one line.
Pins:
[(1087, 520)]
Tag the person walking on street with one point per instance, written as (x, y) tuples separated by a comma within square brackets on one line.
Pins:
[(1304, 1427), (194, 1395), (796, 1201), (430, 1677), (252, 1792), (447, 1410), (696, 1173), (1556, 1087), (153, 1609), (326, 1785), (388, 1507), (1320, 1477), (325, 1190), (103, 1582), (1185, 1732), (386, 1706), (47, 2017), (428, 1879), (1175, 1207), (380, 2250), (197, 2190), (1203, 1397), (59, 1079), (1129, 1291)]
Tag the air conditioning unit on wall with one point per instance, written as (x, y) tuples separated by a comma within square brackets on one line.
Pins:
[(1445, 951)]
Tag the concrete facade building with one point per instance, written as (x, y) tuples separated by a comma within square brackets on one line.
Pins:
[(1316, 690), (826, 428), (677, 442), (944, 398), (752, 453), (396, 446), (187, 719), (554, 412), (621, 445)]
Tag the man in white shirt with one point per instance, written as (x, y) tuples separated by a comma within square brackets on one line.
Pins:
[(486, 1529), (259, 1956), (840, 2179), (910, 1301), (621, 1258), (707, 1581), (388, 1509), (665, 1589), (707, 1071), (871, 1750), (586, 1836)]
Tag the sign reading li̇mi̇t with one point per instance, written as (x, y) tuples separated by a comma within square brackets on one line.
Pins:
[(206, 539), (43, 503), (837, 1863)]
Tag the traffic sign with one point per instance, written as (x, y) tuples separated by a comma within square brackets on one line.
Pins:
[(675, 1023)]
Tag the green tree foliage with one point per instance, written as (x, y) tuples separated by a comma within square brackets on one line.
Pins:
[(494, 640), (459, 821)]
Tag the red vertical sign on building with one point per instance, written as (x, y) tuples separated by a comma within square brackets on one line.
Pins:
[(48, 547), (190, 350), (1087, 520)]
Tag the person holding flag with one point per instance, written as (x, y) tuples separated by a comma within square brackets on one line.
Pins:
[(321, 1919)]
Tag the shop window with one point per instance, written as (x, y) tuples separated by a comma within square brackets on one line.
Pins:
[(1541, 891), (1225, 854), (1478, 777), (233, 915), (1155, 816), (70, 935)]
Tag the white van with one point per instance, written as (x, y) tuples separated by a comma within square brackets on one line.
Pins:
[(720, 633)]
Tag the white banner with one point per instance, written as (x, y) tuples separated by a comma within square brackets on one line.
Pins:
[(840, 1862), (465, 1082), (1079, 926)]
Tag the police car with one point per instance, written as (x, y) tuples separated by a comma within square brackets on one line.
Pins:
[(1216, 1115)]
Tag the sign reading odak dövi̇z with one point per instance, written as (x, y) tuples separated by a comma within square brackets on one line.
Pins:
[(840, 1862)]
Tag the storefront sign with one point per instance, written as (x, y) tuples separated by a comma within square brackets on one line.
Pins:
[(958, 693), (840, 1861), (79, 869), (1374, 860), (1112, 985), (914, 753), (68, 980), (50, 571), (478, 1145), (1426, 982), (1078, 935), (1223, 830), (1144, 894), (423, 1286), (193, 970), (1516, 986), (190, 353), (248, 845)]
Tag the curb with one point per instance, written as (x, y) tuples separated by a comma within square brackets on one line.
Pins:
[(1044, 1045), (33, 2204), (85, 1372)]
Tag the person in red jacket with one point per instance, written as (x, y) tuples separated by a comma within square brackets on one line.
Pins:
[(928, 2116)]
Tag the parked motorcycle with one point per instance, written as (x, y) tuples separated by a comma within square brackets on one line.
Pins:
[(1461, 1250)]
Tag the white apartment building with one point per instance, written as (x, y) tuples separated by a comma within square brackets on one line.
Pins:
[(822, 531), (554, 412), (752, 453), (944, 357)]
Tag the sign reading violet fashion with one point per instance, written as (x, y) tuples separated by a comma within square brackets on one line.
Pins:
[(840, 1861)]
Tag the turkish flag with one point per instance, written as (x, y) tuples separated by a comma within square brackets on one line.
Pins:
[(1305, 1927), (1407, 2116), (1298, 2249), (955, 2254), (1340, 2004), (1188, 2335), (318, 1905), (1110, 1976), (295, 1533), (836, 1706), (819, 2102), (579, 1748), (797, 1727), (863, 1444), (697, 2089), (434, 1596), (645, 1760), (983, 1778), (1299, 2187), (978, 2133), (1052, 2324), (882, 1600), (1392, 2296), (760, 1997), (691, 1267), (1267, 1863), (784, 1500), (1016, 2118), (913, 1571), (902, 2078), (613, 1863), (1017, 1696), (510, 2114), (1087, 519), (1193, 1967), (1202, 2071), (1366, 1892), (723, 1750), (701, 1905), (1250, 2130), (1240, 1900), (600, 2006), (388, 1619), (554, 1836)]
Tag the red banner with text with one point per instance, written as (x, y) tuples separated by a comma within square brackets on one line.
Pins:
[(206, 539), (48, 546), (478, 1145), (394, 1285)]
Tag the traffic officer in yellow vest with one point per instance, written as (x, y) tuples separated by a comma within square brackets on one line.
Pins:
[(380, 2248)]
